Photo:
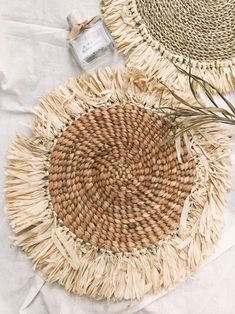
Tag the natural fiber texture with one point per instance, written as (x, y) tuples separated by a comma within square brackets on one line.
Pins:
[(99, 205), (162, 34), (110, 183)]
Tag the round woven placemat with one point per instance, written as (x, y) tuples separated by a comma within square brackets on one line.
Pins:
[(98, 200), (163, 33), (203, 30)]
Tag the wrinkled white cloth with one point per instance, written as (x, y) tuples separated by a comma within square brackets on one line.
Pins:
[(34, 59)]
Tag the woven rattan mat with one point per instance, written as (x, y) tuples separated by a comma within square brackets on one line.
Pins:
[(162, 34), (97, 201)]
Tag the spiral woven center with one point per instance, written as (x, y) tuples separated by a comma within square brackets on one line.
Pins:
[(201, 29), (113, 184)]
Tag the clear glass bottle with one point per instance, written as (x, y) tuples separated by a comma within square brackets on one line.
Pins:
[(93, 45)]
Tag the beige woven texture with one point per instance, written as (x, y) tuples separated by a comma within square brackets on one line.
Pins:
[(203, 30), (113, 185), (159, 35)]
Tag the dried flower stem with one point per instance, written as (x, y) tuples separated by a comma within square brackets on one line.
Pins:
[(190, 115)]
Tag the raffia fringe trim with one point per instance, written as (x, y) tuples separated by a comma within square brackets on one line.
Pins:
[(80, 267), (149, 56)]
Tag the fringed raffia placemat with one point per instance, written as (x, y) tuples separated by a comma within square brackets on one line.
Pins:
[(99, 205), (161, 34)]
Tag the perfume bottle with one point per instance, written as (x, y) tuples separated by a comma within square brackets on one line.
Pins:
[(90, 41)]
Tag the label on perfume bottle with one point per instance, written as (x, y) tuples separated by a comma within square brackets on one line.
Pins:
[(93, 41), (89, 42)]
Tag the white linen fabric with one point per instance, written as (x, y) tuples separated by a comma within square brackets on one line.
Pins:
[(34, 59)]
